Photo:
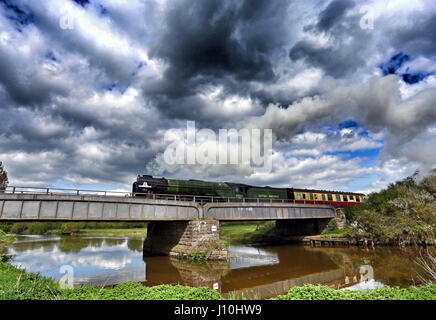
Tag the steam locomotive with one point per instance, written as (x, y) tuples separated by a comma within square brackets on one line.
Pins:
[(146, 185)]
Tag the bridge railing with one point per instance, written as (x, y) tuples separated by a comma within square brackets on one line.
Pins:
[(64, 191), (178, 197)]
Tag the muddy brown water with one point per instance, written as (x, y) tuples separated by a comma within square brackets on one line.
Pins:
[(251, 272)]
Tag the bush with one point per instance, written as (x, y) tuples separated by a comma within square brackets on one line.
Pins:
[(6, 226), (16, 284), (318, 292), (72, 227), (19, 227), (41, 227), (405, 211)]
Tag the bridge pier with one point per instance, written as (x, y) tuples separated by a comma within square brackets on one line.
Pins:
[(301, 227), (195, 239)]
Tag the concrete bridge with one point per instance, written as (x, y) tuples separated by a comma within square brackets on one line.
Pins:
[(179, 228)]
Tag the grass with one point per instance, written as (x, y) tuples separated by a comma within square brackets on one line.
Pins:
[(16, 284), (98, 228), (6, 239), (318, 292), (336, 233), (130, 233), (260, 232)]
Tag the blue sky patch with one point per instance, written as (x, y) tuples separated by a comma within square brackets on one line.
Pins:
[(412, 78), (394, 63), (59, 183), (348, 124), (348, 155)]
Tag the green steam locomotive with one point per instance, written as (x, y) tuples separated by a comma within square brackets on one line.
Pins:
[(146, 185)]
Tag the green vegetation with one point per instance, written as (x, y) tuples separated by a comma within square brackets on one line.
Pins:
[(210, 246), (403, 213), (3, 178), (6, 239), (16, 284), (336, 233), (249, 233), (90, 228), (318, 292), (130, 233)]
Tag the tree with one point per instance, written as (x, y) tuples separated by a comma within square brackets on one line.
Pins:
[(3, 178)]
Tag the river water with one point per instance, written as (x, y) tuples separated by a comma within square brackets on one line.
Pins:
[(251, 272)]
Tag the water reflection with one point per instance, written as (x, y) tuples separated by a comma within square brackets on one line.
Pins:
[(244, 257), (100, 261), (251, 272)]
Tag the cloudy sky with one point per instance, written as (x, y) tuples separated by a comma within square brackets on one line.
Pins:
[(89, 89)]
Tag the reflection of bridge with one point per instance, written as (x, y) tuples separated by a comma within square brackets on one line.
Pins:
[(172, 221), (286, 267)]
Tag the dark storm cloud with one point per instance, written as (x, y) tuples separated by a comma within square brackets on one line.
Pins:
[(91, 104), (345, 51), (221, 38), (336, 61), (418, 37), (333, 13), (19, 14), (226, 43), (81, 2)]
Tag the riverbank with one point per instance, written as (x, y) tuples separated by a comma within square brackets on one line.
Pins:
[(115, 229), (250, 233), (137, 233), (6, 239), (318, 292), (16, 284)]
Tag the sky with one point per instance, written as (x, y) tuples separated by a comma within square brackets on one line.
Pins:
[(91, 90)]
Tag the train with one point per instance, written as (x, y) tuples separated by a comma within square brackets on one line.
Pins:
[(147, 185)]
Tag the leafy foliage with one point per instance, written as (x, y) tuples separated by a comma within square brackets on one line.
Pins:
[(16, 284), (405, 211), (68, 227), (5, 239), (318, 292), (3, 178)]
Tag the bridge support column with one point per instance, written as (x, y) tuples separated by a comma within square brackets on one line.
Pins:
[(195, 239), (301, 227), (341, 220)]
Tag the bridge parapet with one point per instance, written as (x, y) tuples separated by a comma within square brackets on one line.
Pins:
[(47, 207), (266, 211), (43, 207)]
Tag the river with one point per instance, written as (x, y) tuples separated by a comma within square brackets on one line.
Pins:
[(251, 272)]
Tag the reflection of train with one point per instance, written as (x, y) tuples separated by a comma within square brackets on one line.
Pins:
[(186, 189)]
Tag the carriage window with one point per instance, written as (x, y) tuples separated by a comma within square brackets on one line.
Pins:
[(304, 196), (311, 196), (345, 197), (330, 197), (324, 197), (298, 196)]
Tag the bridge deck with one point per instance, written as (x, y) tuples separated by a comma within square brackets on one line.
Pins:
[(48, 207)]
